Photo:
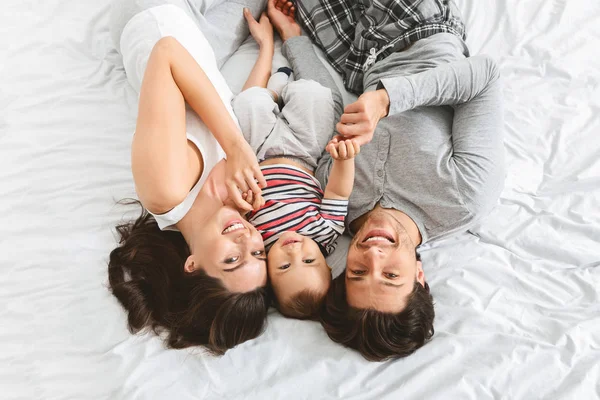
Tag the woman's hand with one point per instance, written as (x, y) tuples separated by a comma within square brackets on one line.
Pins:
[(361, 117), (242, 174), (262, 31)]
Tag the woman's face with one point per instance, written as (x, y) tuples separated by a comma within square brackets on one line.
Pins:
[(232, 250)]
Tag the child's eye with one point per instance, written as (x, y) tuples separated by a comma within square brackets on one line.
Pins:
[(391, 276), (309, 261), (258, 253), (284, 266), (231, 260), (358, 272)]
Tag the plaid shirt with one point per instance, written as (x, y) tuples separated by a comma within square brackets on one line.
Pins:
[(356, 33)]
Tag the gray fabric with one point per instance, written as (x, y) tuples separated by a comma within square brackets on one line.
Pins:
[(312, 106), (221, 22), (300, 130), (306, 65), (354, 34), (439, 155)]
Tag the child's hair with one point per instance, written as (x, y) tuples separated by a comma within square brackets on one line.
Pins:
[(304, 305)]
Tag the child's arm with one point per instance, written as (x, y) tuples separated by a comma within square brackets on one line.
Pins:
[(263, 34), (341, 177)]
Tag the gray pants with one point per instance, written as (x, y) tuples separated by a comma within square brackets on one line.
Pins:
[(300, 130)]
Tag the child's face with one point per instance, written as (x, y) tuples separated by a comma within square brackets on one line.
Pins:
[(295, 263)]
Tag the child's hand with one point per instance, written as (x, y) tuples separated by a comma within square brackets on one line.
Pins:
[(343, 149), (255, 201), (261, 31)]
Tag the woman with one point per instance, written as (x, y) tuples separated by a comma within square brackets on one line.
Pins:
[(203, 285)]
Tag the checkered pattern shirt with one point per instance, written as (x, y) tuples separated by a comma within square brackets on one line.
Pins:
[(355, 34)]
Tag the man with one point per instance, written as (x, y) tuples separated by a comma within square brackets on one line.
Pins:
[(432, 161)]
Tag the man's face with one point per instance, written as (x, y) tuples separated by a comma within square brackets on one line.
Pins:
[(382, 268)]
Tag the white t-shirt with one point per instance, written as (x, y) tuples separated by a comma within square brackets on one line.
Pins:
[(139, 37)]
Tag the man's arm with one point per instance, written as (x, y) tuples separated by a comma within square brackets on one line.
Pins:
[(447, 85), (450, 84)]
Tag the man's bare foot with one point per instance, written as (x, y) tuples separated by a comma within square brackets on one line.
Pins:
[(286, 7), (282, 13)]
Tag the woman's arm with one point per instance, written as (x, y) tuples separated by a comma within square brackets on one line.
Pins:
[(164, 165), (263, 34)]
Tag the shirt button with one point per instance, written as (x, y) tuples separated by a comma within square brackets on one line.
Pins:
[(382, 156), (380, 173)]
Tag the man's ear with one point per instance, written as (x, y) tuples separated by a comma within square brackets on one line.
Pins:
[(420, 274), (190, 265)]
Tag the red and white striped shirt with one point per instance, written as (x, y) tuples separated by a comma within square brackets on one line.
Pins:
[(294, 202)]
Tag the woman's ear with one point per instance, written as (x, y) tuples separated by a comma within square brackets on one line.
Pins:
[(420, 274), (190, 265)]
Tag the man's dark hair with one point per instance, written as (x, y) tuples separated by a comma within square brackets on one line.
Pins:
[(377, 335), (146, 274)]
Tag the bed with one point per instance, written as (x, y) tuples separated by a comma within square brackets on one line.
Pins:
[(517, 297)]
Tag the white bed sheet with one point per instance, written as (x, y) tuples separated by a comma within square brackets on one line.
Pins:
[(517, 300)]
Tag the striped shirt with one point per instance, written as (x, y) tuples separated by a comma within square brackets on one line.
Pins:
[(355, 34), (294, 202)]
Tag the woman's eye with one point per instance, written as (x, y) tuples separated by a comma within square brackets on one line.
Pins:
[(391, 276), (231, 260), (309, 261), (258, 253), (284, 266), (358, 272)]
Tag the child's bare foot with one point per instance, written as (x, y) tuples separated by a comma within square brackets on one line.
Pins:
[(282, 13)]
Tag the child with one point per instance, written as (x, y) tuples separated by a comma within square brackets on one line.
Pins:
[(298, 221)]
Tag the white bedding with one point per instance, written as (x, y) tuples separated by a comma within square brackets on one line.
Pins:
[(517, 300)]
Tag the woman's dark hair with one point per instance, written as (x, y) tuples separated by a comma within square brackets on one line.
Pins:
[(146, 274), (377, 335)]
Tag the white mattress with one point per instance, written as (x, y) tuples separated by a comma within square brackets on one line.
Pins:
[(517, 300)]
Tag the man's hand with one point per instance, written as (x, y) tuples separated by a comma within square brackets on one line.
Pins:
[(261, 31), (282, 14), (361, 117), (343, 150)]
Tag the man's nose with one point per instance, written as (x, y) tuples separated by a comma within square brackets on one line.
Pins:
[(373, 254)]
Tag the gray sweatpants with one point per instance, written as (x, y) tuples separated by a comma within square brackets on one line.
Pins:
[(300, 130)]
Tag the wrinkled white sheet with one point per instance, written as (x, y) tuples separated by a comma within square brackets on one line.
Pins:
[(518, 299)]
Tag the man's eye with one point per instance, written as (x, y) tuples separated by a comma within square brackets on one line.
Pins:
[(231, 260), (284, 266), (391, 276), (358, 272), (258, 253), (309, 261)]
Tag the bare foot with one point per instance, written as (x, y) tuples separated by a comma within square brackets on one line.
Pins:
[(282, 13)]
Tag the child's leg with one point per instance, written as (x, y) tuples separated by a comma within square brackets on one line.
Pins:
[(309, 112), (256, 112), (278, 81), (225, 27)]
